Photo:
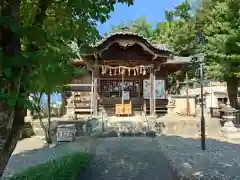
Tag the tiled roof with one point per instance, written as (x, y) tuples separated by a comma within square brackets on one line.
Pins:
[(161, 47), (178, 60)]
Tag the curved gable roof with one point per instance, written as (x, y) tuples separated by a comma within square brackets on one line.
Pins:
[(126, 38)]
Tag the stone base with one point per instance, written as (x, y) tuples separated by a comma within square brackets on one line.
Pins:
[(70, 112), (230, 131), (231, 135), (151, 118), (229, 127), (170, 111)]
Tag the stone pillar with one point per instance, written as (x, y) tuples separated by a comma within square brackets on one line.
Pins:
[(171, 106)]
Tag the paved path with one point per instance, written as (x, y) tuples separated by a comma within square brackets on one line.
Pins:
[(128, 158)]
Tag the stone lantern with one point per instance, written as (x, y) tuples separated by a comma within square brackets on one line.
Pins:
[(171, 106), (228, 117)]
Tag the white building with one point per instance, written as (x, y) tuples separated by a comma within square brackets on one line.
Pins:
[(215, 93)]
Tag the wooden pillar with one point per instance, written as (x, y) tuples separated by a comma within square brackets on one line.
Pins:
[(92, 90), (95, 90), (154, 93), (188, 106), (152, 101)]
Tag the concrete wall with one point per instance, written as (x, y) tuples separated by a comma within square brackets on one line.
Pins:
[(212, 93), (181, 104)]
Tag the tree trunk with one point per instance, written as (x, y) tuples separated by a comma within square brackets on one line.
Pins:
[(9, 141), (11, 118), (49, 141), (232, 88), (37, 107)]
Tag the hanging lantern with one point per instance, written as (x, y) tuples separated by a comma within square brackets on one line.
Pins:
[(115, 71), (119, 70), (129, 72)]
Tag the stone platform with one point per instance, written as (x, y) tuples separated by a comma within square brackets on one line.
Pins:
[(189, 126)]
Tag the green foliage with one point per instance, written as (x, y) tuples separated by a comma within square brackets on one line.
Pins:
[(46, 31), (67, 167), (139, 26), (178, 32), (220, 22)]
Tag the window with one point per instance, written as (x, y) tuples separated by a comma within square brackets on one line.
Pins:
[(113, 88), (222, 100)]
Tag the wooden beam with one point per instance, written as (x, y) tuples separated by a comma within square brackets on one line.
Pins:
[(78, 85)]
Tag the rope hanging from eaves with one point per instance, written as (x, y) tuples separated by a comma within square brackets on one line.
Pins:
[(121, 70)]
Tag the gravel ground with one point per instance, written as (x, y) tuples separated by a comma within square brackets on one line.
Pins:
[(32, 151), (128, 158), (221, 160)]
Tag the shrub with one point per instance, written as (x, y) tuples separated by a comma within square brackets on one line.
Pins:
[(64, 168), (27, 130)]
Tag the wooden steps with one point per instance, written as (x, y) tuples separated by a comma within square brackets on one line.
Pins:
[(160, 110)]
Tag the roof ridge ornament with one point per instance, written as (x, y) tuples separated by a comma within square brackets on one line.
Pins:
[(125, 29)]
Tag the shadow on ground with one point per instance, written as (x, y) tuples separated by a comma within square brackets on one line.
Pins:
[(163, 158), (140, 158), (220, 160), (40, 153)]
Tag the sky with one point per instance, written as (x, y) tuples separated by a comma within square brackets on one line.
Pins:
[(153, 10)]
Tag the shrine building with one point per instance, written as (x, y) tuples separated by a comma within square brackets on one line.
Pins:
[(127, 75)]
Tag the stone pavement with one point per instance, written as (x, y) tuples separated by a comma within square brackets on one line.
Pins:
[(128, 158), (220, 160), (32, 151)]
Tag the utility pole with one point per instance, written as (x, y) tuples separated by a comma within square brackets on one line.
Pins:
[(203, 134)]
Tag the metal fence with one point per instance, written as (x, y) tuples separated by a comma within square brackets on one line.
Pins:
[(216, 112)]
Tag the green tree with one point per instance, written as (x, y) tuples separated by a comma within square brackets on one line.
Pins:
[(38, 43), (45, 82), (179, 33), (220, 25), (139, 26)]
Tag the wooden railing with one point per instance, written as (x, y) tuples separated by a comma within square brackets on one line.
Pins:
[(216, 112)]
